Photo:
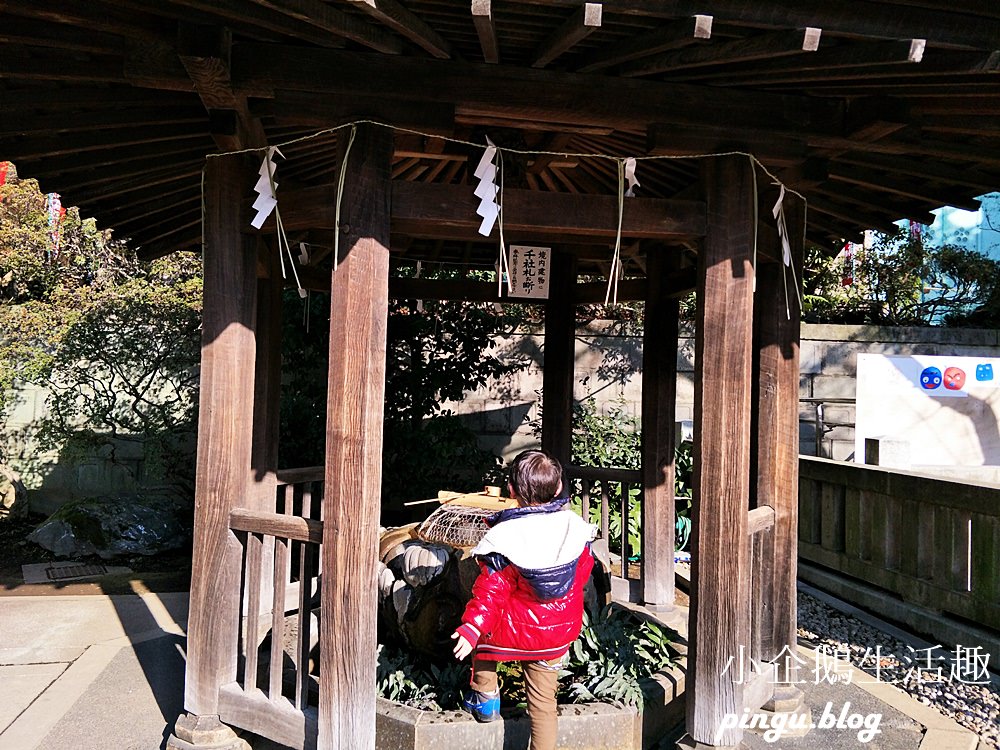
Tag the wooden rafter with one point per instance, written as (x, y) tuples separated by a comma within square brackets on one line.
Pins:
[(398, 18), (664, 39), (292, 19), (526, 95), (584, 22), (836, 58), (482, 18), (758, 47), (939, 25), (916, 189)]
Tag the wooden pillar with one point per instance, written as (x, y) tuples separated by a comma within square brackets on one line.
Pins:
[(267, 376), (659, 395), (358, 311), (777, 440), (225, 425), (720, 575), (560, 358)]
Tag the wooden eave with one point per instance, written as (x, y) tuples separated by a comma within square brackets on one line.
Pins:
[(884, 110)]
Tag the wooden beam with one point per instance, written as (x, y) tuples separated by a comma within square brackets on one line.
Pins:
[(527, 95), (925, 169), (659, 392), (664, 139), (559, 358), (352, 495), (762, 46), (941, 25), (449, 211), (408, 25), (664, 39), (840, 60), (915, 189), (300, 108), (776, 442), (289, 16), (584, 22), (224, 433), (204, 52), (482, 17), (720, 574)]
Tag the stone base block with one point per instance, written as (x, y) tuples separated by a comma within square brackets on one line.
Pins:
[(204, 733)]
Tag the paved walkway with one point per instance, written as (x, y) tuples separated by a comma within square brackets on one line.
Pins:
[(89, 671)]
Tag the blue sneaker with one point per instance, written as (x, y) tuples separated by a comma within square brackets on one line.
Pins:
[(482, 706)]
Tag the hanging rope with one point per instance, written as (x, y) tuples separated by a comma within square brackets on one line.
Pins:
[(611, 295)]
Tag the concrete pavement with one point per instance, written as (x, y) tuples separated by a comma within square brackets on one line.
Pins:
[(91, 671)]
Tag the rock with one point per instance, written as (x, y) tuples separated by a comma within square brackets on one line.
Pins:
[(13, 495), (113, 526)]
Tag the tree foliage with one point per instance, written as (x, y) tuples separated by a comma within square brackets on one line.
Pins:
[(903, 279), (435, 351), (113, 340)]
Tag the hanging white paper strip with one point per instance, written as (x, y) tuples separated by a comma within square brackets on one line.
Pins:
[(779, 214), (528, 271), (633, 183), (266, 188), (486, 190)]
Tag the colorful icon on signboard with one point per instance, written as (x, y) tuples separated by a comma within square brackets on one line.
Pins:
[(954, 378), (930, 378), (984, 372)]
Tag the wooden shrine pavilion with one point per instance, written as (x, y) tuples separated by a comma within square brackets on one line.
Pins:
[(155, 117)]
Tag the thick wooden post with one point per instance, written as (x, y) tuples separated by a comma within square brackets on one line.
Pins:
[(560, 358), (659, 394), (359, 306), (267, 377), (720, 575), (225, 425), (777, 441)]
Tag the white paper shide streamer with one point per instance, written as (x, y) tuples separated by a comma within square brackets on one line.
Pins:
[(630, 178), (779, 216), (266, 202), (487, 189), (266, 188)]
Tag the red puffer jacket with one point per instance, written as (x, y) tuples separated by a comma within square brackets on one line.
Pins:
[(532, 610)]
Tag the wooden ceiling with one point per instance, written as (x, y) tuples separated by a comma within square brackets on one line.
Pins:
[(875, 111)]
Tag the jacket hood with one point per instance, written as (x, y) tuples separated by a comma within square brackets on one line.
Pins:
[(538, 537)]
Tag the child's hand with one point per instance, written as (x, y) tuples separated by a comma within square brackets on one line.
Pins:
[(463, 648)]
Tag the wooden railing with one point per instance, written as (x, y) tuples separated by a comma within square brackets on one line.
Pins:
[(280, 566), (933, 542), (592, 485)]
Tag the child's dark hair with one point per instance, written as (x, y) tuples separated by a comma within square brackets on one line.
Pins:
[(535, 476)]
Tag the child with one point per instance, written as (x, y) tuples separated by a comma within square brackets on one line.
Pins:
[(527, 603)]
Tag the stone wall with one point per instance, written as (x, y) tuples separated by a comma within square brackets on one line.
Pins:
[(51, 479), (608, 364)]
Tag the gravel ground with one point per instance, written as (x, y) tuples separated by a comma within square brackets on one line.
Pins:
[(930, 676)]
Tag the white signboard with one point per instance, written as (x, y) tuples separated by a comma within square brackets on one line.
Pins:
[(529, 271), (946, 409)]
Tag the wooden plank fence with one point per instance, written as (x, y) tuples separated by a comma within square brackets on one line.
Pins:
[(278, 700), (933, 542)]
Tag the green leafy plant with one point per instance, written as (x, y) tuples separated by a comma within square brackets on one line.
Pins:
[(612, 661), (412, 680), (615, 656), (614, 440)]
